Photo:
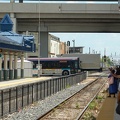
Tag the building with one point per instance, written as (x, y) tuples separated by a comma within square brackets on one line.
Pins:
[(55, 46), (75, 49), (63, 48)]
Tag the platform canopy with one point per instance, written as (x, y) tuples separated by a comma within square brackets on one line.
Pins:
[(14, 41)]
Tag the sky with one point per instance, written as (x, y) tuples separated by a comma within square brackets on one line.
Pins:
[(104, 43)]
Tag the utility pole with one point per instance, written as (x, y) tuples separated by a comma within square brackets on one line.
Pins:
[(105, 57), (68, 45), (89, 50), (39, 66), (73, 46)]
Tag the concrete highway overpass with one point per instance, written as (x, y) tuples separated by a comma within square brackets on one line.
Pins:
[(62, 17), (21, 1)]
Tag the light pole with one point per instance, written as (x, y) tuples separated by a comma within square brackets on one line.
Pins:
[(39, 67), (73, 46), (89, 50), (68, 45)]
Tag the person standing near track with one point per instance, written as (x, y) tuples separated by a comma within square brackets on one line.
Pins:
[(118, 73), (117, 76), (113, 85)]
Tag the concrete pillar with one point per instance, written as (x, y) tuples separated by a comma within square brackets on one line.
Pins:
[(87, 73), (12, 1), (26, 54), (22, 65), (15, 66), (5, 66), (43, 44), (27, 33), (20, 1), (14, 20), (0, 69), (10, 67)]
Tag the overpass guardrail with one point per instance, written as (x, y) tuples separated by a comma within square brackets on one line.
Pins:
[(14, 99)]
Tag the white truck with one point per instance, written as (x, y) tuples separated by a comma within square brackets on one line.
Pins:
[(88, 62)]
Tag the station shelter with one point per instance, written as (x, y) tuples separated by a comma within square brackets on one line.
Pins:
[(12, 46)]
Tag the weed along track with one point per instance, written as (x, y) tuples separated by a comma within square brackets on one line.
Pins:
[(74, 107)]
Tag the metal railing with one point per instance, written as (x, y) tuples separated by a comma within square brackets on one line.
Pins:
[(14, 99)]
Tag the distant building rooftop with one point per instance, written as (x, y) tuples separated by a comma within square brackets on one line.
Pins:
[(75, 49)]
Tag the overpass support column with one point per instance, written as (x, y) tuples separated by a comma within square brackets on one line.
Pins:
[(12, 1), (15, 66), (22, 65), (10, 67), (5, 66), (44, 46), (0, 69), (12, 16)]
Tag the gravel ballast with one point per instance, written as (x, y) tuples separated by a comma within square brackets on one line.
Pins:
[(34, 111)]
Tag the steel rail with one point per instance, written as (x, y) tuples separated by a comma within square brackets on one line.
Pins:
[(83, 111), (50, 111)]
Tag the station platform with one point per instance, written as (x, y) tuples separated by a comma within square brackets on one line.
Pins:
[(107, 111), (24, 81)]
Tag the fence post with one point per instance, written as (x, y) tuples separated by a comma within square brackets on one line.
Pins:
[(32, 93), (16, 98), (28, 94), (9, 100), (37, 91), (2, 103), (22, 94)]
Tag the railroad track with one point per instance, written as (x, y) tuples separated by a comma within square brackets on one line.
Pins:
[(74, 107)]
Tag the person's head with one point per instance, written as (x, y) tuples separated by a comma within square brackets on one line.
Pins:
[(110, 68)]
